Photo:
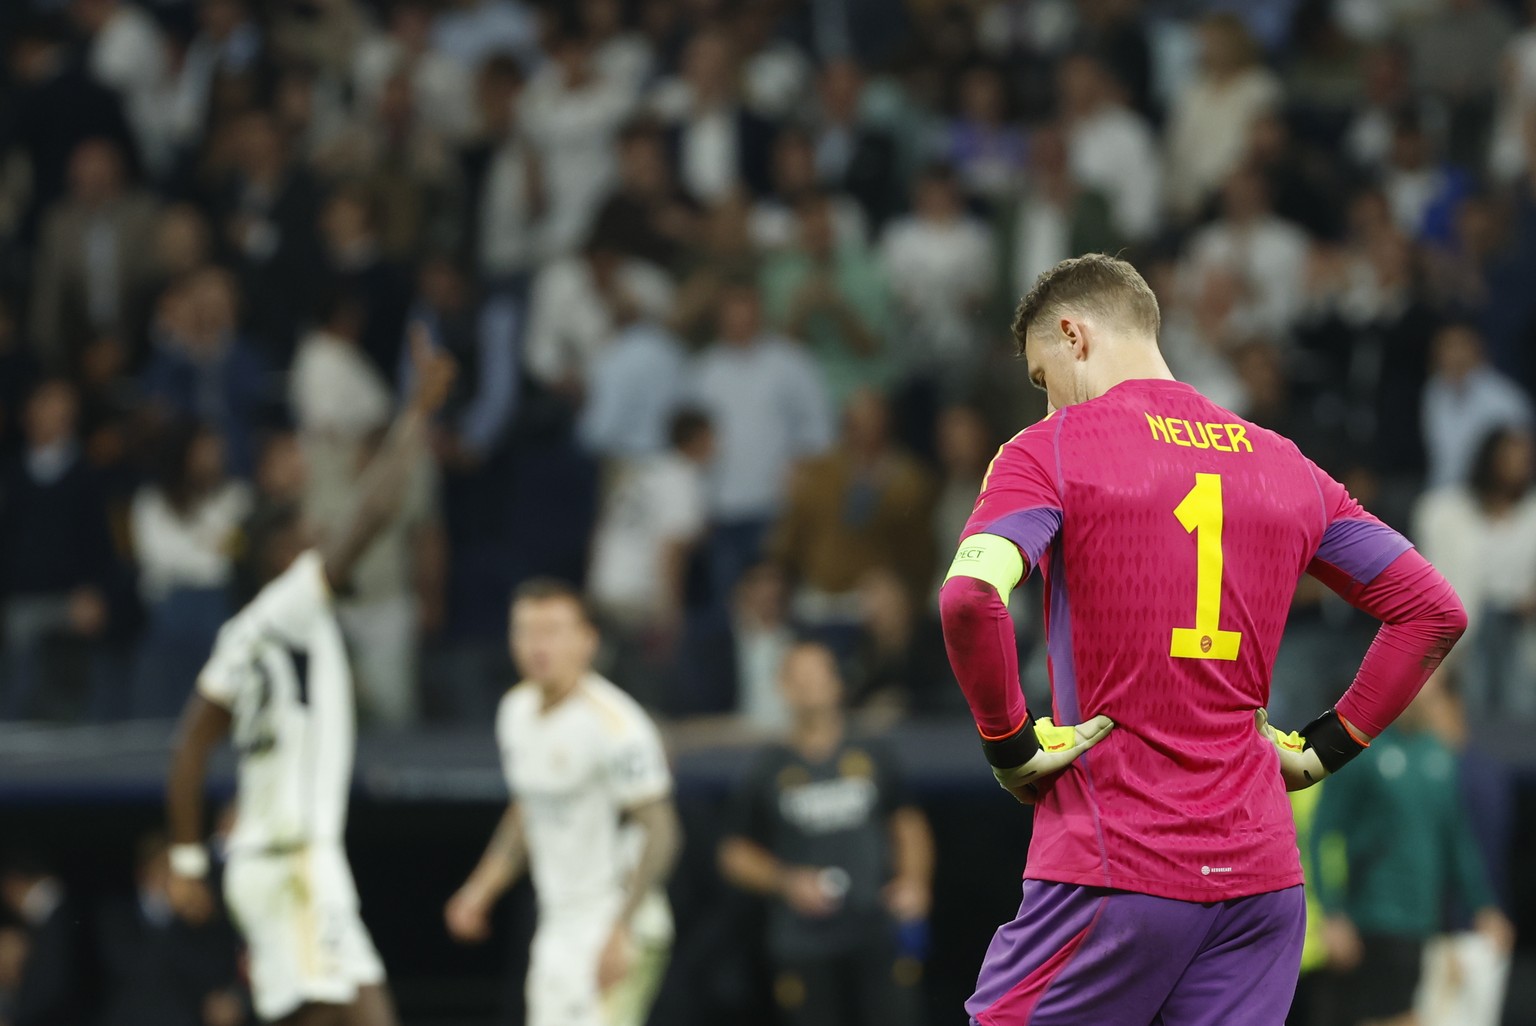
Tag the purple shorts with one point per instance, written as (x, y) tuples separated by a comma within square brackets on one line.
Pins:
[(1079, 955)]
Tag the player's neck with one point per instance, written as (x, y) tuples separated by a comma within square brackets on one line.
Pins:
[(1134, 364), (816, 735), (557, 691)]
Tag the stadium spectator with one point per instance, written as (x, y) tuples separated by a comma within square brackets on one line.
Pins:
[(501, 179), (578, 304), (470, 30), (224, 56), (864, 505), (1388, 95), (650, 216), (964, 446), (1111, 149), (823, 828), (1113, 33), (157, 969), (731, 658), (268, 209), (185, 527), (621, 54), (56, 557), (831, 292), (1305, 191), (1055, 216), (764, 395), (1464, 400), (1408, 847), (982, 142), (356, 264), (1482, 270), (440, 85), (1422, 189), (89, 271), (939, 263), (724, 252), (18, 368), (1201, 334), (54, 108), (717, 144), (853, 155), (1516, 103), (1455, 51), (572, 114), (201, 368), (1266, 255), (334, 389), (1482, 535), (653, 518), (634, 387), (1211, 118), (480, 327), (53, 990), (794, 177), (897, 666), (126, 53)]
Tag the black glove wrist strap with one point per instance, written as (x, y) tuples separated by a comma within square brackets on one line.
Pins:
[(1332, 741), (1014, 750)]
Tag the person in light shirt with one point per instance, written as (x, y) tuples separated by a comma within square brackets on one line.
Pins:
[(591, 819), (279, 685)]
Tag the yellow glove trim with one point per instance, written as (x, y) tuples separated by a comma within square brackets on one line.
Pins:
[(992, 559), (1053, 738)]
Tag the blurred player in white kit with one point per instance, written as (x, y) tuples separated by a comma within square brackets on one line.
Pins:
[(591, 817), (279, 683)]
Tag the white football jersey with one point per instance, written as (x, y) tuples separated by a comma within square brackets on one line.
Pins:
[(574, 770), (280, 667)]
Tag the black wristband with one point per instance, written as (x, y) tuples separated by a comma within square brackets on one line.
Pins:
[(1332, 742), (1014, 750)]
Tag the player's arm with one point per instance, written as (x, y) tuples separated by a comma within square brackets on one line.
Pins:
[(388, 475), (204, 725), (468, 912), (658, 821), (910, 892), (1377, 571), (1015, 520), (746, 863)]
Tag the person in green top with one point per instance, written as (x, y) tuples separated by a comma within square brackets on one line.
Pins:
[(833, 294), (1407, 847)]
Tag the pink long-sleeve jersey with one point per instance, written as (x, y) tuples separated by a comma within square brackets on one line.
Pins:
[(1171, 534)]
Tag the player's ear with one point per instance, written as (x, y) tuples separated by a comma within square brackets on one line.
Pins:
[(1073, 335)]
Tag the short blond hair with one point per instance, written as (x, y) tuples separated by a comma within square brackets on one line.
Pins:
[(1092, 284)]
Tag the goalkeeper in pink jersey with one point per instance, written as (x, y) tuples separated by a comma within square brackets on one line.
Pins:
[(1163, 883)]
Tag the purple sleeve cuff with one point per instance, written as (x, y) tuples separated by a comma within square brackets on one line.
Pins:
[(1361, 548), (1030, 529)]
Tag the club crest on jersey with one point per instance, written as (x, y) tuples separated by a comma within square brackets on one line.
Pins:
[(1199, 435)]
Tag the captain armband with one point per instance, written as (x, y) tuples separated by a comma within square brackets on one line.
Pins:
[(992, 559)]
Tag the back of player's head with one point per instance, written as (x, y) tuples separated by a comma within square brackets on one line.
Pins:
[(1095, 285), (551, 589)]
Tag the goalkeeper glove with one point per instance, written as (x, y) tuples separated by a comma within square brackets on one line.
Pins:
[(1038, 749), (1322, 747)]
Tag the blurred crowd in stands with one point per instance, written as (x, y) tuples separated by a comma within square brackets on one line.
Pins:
[(729, 282)]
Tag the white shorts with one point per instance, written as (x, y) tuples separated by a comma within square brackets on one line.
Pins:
[(299, 915), (562, 967)]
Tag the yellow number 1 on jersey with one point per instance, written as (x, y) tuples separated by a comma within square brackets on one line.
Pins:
[(1201, 515)]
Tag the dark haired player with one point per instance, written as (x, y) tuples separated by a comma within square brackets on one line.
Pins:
[(279, 684)]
